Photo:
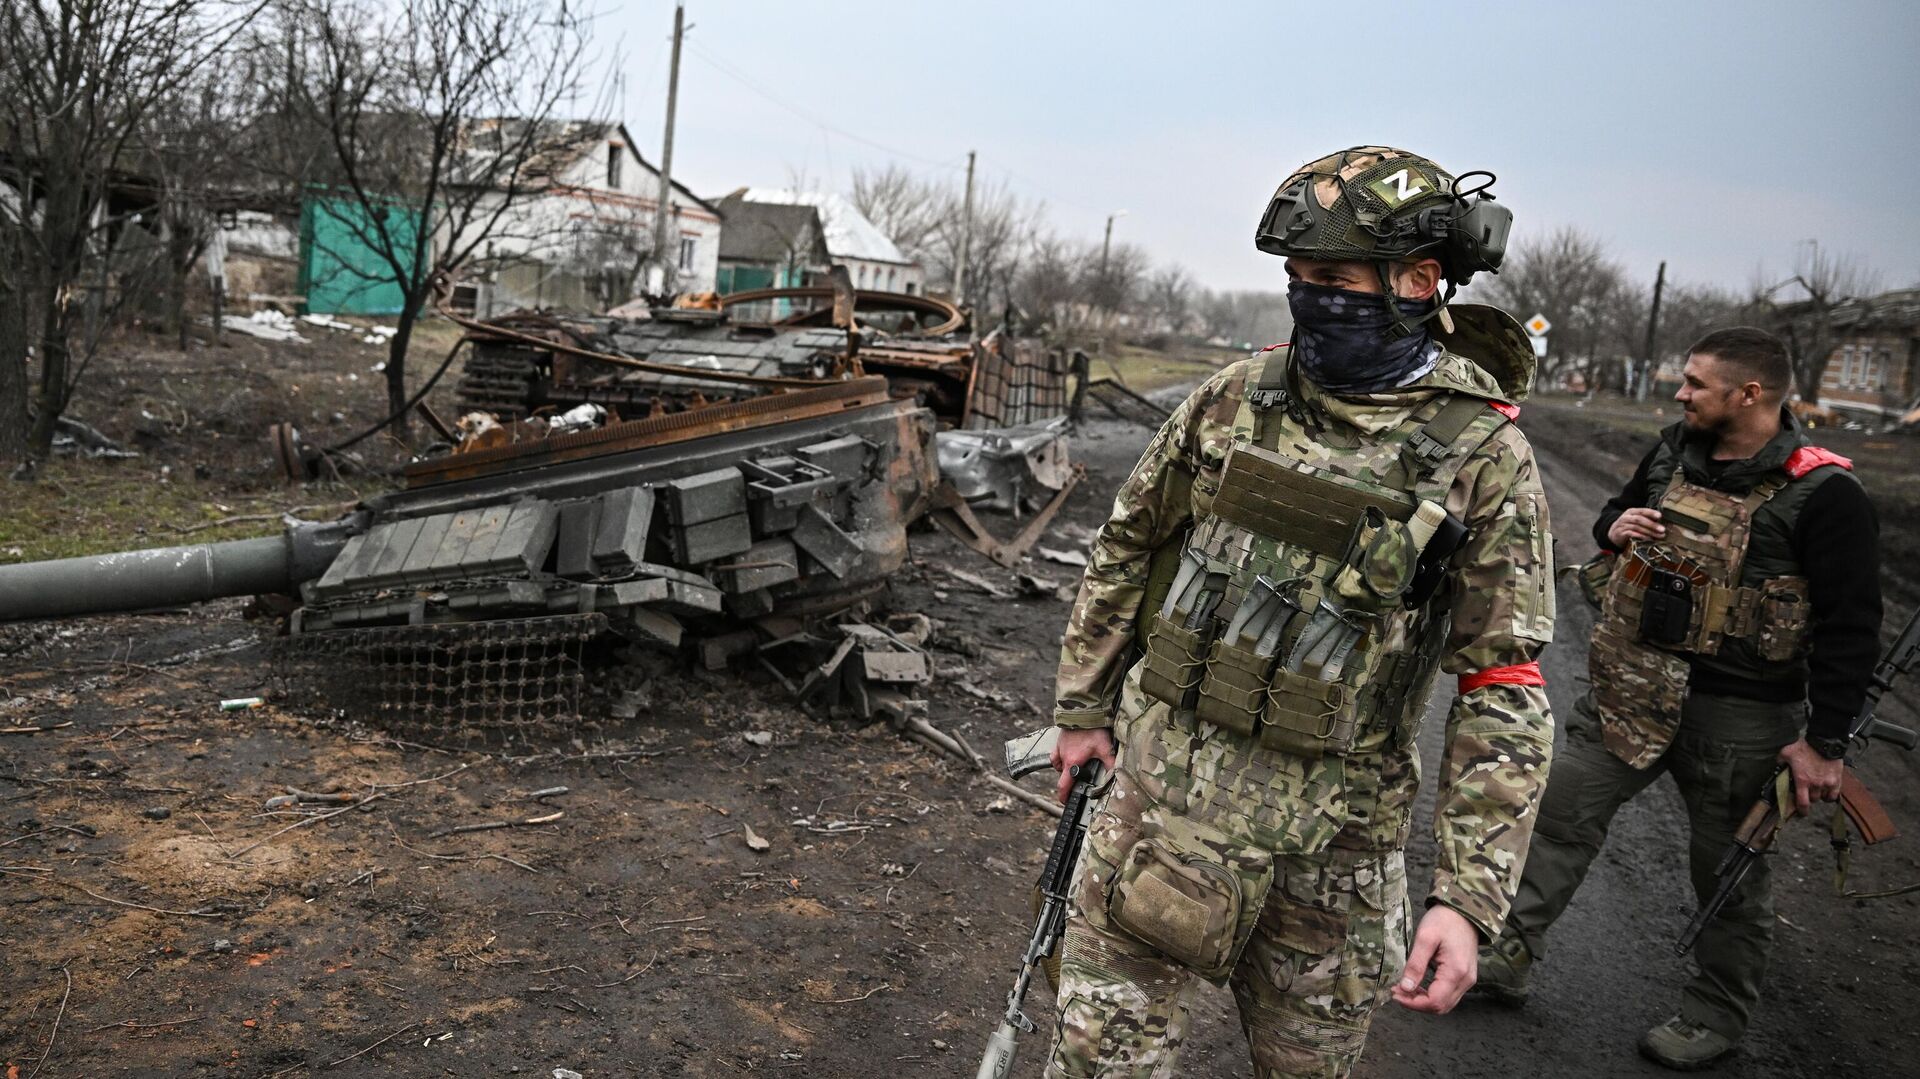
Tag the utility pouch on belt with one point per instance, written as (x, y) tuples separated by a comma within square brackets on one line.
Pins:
[(1666, 612), (1191, 892), (1593, 576), (1784, 616)]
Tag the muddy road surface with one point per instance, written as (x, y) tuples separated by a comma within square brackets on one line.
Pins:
[(159, 918)]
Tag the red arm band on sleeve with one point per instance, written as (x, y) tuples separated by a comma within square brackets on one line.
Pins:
[(1520, 674), (1511, 412), (1807, 458)]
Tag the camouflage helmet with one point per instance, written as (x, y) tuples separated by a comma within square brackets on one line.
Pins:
[(1376, 203)]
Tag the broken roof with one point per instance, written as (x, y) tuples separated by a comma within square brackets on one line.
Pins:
[(561, 143), (849, 233)]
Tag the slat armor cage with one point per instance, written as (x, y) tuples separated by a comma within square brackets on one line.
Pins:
[(505, 681)]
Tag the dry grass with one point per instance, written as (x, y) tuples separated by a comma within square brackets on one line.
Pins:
[(92, 507)]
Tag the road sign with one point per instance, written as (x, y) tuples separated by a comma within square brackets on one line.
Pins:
[(1538, 325), (1539, 347)]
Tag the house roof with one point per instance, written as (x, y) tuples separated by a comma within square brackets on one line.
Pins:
[(564, 142), (849, 233), (1896, 310), (769, 232)]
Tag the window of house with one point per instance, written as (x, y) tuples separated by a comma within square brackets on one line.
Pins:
[(909, 288), (615, 152), (686, 252), (1882, 370), (1846, 368)]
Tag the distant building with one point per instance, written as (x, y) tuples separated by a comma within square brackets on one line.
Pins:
[(1875, 363), (583, 241), (874, 261), (769, 245)]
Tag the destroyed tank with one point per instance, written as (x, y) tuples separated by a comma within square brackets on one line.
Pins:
[(471, 593), (650, 361), (749, 495)]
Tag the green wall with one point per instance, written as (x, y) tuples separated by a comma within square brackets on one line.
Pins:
[(340, 274)]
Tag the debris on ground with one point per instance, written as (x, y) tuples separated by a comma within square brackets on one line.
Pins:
[(268, 324), (72, 438)]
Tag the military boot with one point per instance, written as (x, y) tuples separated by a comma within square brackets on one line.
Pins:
[(1503, 971), (1684, 1045)]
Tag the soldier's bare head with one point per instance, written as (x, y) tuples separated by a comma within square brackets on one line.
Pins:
[(1413, 279), (1734, 376)]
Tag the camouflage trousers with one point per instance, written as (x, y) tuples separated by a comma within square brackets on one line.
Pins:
[(1724, 751), (1331, 939)]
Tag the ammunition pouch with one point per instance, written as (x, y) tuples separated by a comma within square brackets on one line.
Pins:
[(1308, 717), (1234, 690), (1191, 892), (1176, 657)]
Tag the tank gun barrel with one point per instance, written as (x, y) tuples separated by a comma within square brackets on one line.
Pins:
[(172, 576)]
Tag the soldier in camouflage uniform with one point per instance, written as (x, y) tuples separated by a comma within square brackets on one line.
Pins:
[(1774, 546), (1310, 535)]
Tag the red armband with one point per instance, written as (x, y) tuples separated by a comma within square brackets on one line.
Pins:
[(1807, 458), (1520, 674), (1511, 412)]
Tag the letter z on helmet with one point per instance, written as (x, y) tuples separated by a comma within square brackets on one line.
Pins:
[(1377, 204)]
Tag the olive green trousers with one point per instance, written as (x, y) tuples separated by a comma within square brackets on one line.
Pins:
[(1722, 757)]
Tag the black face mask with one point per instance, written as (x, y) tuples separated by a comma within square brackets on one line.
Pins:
[(1344, 340)]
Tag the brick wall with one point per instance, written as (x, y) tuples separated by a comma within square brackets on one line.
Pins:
[(1872, 370)]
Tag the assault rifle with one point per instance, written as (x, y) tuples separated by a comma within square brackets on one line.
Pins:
[(1024, 756), (1761, 826)]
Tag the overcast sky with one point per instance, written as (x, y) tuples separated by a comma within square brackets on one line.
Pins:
[(1717, 136)]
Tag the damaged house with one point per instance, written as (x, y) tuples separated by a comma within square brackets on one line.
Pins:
[(583, 241)]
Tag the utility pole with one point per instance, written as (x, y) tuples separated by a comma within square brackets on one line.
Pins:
[(1651, 363), (966, 239), (1106, 250), (663, 258)]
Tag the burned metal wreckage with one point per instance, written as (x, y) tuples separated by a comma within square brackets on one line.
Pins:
[(746, 486)]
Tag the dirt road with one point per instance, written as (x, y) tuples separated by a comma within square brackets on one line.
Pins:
[(640, 934)]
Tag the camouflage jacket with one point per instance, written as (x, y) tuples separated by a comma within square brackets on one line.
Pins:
[(1499, 736)]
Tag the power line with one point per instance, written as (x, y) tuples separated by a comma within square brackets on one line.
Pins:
[(738, 76), (955, 164)]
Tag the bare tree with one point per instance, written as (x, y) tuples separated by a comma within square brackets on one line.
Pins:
[(925, 219), (906, 207), (198, 170), (437, 118), (1170, 297), (1820, 284), (1051, 287), (80, 80), (1569, 277)]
